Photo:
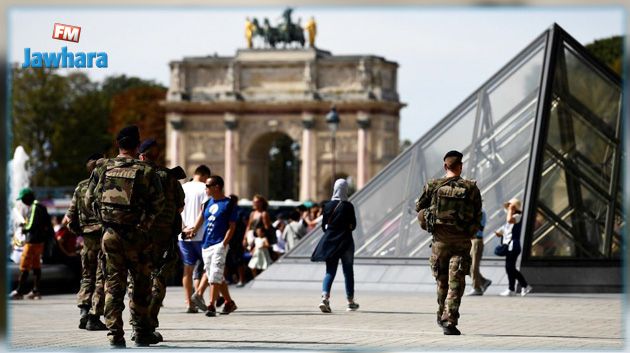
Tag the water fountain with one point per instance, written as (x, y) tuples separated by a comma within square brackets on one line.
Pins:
[(18, 178)]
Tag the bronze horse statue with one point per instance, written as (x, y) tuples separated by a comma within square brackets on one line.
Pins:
[(286, 33)]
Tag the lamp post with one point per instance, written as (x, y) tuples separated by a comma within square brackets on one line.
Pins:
[(332, 119), (295, 148)]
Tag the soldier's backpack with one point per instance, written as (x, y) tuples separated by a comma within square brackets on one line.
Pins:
[(118, 202), (451, 204)]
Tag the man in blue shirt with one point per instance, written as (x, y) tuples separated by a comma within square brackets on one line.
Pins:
[(219, 219)]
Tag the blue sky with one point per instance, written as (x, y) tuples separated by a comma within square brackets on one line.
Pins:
[(444, 53)]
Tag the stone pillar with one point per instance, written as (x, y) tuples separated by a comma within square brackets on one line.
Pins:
[(363, 120), (306, 180), (176, 124), (231, 153)]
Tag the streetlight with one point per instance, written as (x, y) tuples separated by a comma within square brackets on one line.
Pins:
[(332, 119), (295, 148)]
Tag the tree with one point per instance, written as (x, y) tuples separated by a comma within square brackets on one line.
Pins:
[(609, 51), (140, 106)]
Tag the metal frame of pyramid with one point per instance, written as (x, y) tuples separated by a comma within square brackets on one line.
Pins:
[(546, 128)]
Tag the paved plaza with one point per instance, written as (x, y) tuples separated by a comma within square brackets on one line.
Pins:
[(270, 319)]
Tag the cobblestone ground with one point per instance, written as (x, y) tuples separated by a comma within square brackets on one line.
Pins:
[(290, 320)]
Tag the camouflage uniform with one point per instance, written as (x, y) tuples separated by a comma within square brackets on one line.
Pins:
[(452, 208), (127, 196), (165, 252), (83, 222)]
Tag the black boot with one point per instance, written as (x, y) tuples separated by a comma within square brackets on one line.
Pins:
[(94, 324), (451, 330), (146, 338), (84, 317), (118, 342)]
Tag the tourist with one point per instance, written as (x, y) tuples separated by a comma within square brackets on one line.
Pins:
[(190, 247), (37, 229), (337, 244), (510, 235), (219, 219), (260, 254)]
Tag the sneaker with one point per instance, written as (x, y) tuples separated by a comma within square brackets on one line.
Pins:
[(83, 318), (352, 306), (474, 292), (486, 284), (526, 290), (229, 307), (15, 296), (508, 293), (240, 284), (192, 309), (118, 342), (211, 311), (451, 330), (324, 306), (220, 301), (34, 295), (198, 301), (94, 324)]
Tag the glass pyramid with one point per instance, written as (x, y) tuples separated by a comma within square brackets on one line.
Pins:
[(545, 129)]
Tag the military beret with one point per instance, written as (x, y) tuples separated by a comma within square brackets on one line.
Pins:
[(453, 154), (146, 144), (94, 157), (130, 133)]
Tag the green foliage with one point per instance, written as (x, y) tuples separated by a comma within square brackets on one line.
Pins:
[(72, 115), (609, 51)]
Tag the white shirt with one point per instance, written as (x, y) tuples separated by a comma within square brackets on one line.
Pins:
[(507, 231), (195, 192)]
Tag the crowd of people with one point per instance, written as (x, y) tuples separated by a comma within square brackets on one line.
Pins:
[(134, 221)]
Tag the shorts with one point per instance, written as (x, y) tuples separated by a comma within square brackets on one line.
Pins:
[(191, 252), (214, 262), (31, 256)]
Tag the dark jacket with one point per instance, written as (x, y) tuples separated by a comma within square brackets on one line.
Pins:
[(338, 234), (38, 228)]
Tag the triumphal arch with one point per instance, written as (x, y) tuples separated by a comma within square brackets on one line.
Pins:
[(230, 112)]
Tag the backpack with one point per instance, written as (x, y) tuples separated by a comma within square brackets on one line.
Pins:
[(451, 204), (118, 202)]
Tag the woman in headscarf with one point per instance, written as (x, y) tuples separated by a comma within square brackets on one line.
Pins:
[(337, 244)]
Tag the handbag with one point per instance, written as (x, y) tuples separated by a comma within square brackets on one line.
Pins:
[(502, 249)]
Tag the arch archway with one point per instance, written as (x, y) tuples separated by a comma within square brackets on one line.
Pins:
[(274, 170)]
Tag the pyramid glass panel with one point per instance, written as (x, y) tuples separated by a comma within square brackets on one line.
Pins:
[(546, 129), (493, 128)]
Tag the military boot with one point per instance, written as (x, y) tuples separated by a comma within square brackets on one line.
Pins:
[(146, 338), (118, 342), (451, 330), (83, 317), (94, 324)]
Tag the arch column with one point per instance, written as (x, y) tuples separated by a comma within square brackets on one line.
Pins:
[(363, 120), (174, 142), (231, 155), (306, 151)]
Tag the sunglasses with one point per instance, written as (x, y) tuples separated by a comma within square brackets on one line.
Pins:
[(210, 185)]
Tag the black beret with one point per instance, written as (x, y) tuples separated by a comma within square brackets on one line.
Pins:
[(129, 133), (94, 157), (146, 144), (454, 154)]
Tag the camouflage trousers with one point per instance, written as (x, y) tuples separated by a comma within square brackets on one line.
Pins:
[(126, 252), (450, 263), (91, 293), (164, 259)]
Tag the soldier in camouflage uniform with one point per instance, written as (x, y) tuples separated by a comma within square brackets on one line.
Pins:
[(82, 221), (164, 230), (450, 209), (126, 194)]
